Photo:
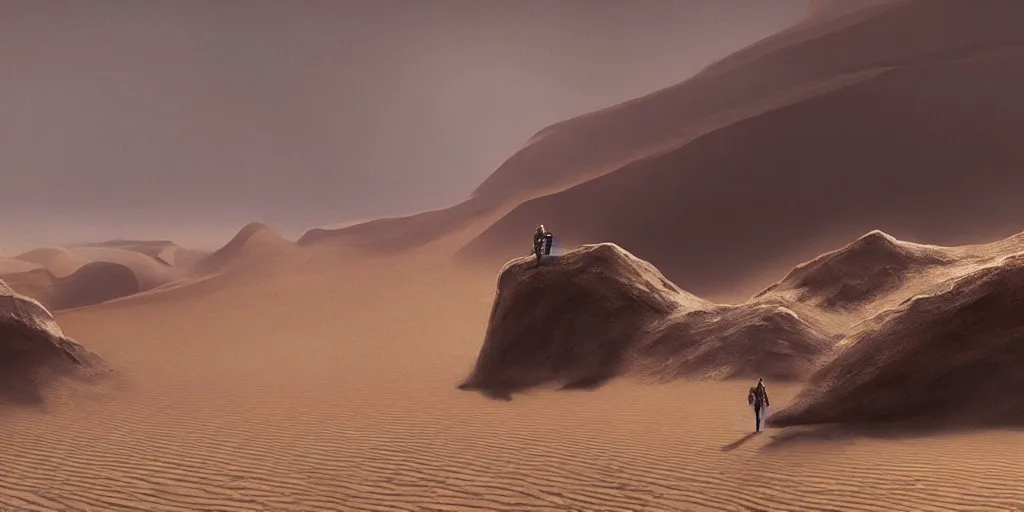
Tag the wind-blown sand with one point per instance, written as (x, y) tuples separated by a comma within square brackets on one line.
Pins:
[(326, 382)]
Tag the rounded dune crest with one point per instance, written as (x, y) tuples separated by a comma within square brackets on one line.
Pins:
[(254, 242), (149, 271), (58, 260), (860, 272), (93, 283), (96, 282), (164, 251)]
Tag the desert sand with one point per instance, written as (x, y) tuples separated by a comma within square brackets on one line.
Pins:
[(324, 373), (320, 380)]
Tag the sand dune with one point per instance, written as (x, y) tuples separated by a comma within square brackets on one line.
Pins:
[(712, 189), (93, 283), (149, 271), (764, 224), (597, 311), (253, 244), (954, 356), (164, 251), (14, 266), (33, 350), (58, 260)]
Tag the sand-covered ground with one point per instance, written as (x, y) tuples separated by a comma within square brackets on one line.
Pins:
[(322, 381)]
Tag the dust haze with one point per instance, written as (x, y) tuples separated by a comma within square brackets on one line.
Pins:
[(186, 120)]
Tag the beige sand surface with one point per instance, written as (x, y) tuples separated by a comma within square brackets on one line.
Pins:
[(326, 382)]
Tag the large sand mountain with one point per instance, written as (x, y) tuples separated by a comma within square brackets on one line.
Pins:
[(899, 143), (877, 117)]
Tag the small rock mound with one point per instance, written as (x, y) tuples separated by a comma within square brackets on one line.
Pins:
[(33, 350), (954, 357), (254, 242), (573, 319), (597, 311), (867, 268)]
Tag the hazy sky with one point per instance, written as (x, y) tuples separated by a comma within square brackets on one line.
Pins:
[(170, 119)]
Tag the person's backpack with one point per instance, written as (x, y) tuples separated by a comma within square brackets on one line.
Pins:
[(750, 397)]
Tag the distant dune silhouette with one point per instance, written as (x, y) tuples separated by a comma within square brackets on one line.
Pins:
[(58, 260), (253, 243), (164, 251), (14, 266), (150, 272), (92, 283)]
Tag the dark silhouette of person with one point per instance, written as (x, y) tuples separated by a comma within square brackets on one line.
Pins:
[(542, 242), (758, 397)]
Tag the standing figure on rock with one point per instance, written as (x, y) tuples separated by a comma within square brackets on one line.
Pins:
[(758, 397), (542, 239)]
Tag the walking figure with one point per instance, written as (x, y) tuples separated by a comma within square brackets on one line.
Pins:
[(758, 397)]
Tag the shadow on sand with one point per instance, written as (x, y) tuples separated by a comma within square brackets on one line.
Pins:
[(739, 442), (836, 433), (504, 392)]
